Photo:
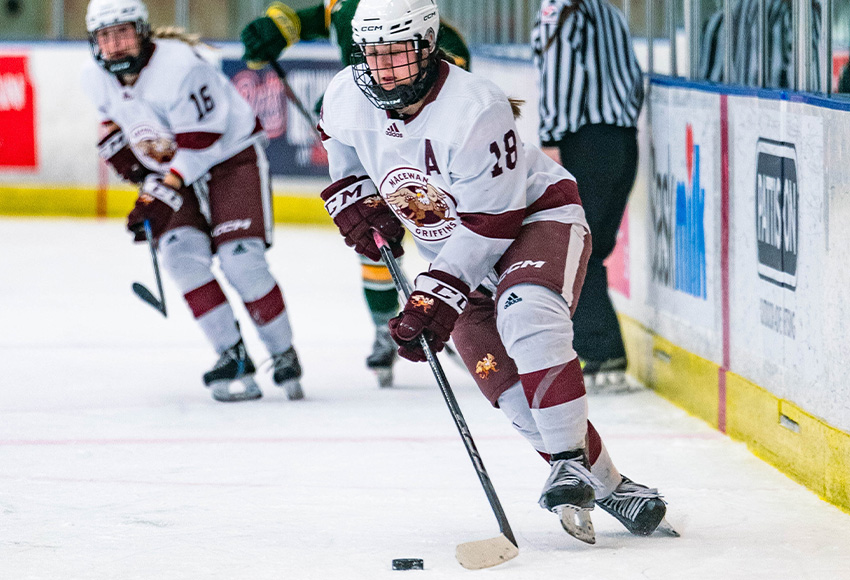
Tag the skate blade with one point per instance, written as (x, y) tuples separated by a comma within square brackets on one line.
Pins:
[(665, 528), (486, 553), (385, 377), (576, 522), (293, 389), (222, 390)]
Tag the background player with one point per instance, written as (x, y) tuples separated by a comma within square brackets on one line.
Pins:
[(503, 228), (265, 39), (174, 124)]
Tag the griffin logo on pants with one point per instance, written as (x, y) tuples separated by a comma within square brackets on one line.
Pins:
[(485, 366)]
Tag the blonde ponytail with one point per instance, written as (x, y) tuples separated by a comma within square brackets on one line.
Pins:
[(177, 33), (516, 107)]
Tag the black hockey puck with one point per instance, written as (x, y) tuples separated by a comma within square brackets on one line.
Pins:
[(408, 564)]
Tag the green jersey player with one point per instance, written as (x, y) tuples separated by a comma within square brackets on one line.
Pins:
[(265, 39)]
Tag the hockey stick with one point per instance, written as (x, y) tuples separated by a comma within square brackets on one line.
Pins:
[(140, 290), (481, 553), (290, 94)]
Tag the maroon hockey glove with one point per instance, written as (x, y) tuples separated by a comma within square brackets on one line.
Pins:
[(357, 209), (156, 203), (115, 150), (433, 307)]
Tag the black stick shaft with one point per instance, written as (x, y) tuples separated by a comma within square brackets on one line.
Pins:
[(403, 286), (152, 246), (290, 94)]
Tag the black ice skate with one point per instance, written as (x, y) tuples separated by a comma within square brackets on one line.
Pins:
[(569, 492), (641, 509), (234, 368), (383, 356), (287, 372)]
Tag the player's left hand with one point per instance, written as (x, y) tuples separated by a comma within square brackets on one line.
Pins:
[(432, 309), (156, 203)]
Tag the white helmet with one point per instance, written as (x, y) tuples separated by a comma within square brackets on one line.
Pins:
[(415, 22), (395, 20), (104, 13)]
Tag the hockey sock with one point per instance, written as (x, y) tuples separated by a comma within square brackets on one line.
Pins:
[(269, 314), (210, 308), (187, 256), (558, 405), (601, 465), (515, 407), (244, 263), (379, 290)]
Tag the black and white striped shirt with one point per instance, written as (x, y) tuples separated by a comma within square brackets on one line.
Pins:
[(588, 70), (779, 63)]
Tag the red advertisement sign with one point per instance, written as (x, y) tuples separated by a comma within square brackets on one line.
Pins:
[(619, 275), (17, 113)]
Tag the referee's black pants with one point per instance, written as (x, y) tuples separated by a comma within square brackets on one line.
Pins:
[(603, 159)]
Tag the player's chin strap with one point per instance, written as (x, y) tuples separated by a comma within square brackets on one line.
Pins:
[(481, 553)]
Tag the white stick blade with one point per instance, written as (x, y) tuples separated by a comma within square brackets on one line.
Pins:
[(486, 553)]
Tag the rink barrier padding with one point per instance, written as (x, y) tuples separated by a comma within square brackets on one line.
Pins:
[(733, 297), (55, 201), (802, 446), (40, 201)]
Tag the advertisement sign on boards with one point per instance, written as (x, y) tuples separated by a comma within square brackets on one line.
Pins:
[(294, 149), (17, 114)]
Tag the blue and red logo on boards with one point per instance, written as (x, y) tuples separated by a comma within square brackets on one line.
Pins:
[(678, 215)]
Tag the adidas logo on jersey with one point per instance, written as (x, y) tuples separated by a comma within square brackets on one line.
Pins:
[(512, 299), (393, 131)]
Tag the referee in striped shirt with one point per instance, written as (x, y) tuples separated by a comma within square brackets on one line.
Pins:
[(591, 92)]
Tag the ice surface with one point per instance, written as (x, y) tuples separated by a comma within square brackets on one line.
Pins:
[(115, 463)]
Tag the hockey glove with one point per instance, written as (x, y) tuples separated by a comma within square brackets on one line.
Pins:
[(432, 309), (115, 150), (357, 209), (266, 37), (156, 203)]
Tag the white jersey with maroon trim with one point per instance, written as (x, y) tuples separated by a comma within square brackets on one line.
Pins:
[(182, 114), (456, 174)]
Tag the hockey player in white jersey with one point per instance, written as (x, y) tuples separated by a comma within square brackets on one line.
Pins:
[(174, 124), (418, 143)]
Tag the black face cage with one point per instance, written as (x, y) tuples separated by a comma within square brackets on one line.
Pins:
[(402, 95), (129, 65)]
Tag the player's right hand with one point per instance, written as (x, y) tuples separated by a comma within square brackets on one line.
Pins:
[(266, 37), (357, 209), (156, 204)]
